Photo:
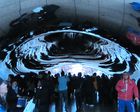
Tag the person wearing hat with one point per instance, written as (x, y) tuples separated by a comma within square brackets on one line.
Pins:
[(126, 89), (3, 92)]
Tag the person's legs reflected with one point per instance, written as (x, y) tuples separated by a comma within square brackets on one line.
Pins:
[(65, 95), (78, 101), (57, 101), (130, 106), (61, 101), (121, 106)]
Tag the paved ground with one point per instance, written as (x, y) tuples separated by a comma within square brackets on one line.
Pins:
[(87, 108)]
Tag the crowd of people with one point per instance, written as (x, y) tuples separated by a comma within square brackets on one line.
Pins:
[(46, 89)]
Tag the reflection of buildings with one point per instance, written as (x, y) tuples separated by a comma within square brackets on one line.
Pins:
[(74, 69), (39, 54)]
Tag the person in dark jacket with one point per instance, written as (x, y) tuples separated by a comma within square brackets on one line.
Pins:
[(43, 93), (11, 98), (78, 92), (138, 85)]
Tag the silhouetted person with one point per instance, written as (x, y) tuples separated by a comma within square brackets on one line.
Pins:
[(78, 84), (89, 91), (43, 94), (11, 97), (138, 84), (42, 97)]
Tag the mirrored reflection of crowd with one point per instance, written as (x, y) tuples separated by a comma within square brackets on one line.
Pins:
[(59, 89)]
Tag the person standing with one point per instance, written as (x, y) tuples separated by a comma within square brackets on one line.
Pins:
[(62, 88), (126, 89), (138, 84), (78, 85), (3, 92), (11, 97)]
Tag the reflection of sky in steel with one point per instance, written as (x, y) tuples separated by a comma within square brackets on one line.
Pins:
[(44, 52), (37, 10)]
